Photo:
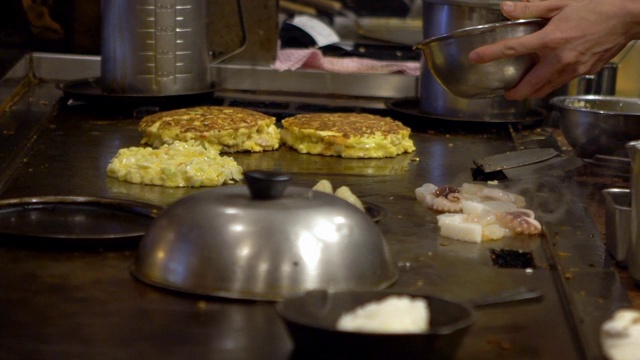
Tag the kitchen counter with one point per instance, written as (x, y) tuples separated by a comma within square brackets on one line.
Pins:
[(81, 302)]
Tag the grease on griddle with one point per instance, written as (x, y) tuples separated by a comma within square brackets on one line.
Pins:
[(508, 258)]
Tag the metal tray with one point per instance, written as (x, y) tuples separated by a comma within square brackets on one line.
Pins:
[(411, 106), (89, 91), (75, 219)]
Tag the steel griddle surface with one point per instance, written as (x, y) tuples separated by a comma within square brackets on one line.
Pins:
[(60, 304)]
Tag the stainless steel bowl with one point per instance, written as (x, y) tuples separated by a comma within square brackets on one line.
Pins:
[(598, 125), (261, 245), (447, 59)]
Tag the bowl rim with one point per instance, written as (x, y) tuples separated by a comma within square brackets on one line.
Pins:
[(492, 4), (479, 29), (560, 102)]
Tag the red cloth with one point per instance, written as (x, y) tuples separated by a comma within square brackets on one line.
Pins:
[(292, 59)]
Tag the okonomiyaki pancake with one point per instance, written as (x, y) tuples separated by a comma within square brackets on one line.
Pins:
[(349, 135), (224, 128)]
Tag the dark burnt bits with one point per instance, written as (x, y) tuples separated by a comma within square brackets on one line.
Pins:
[(444, 191), (513, 259)]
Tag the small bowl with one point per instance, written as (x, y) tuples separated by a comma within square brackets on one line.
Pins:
[(447, 58), (311, 319), (598, 125)]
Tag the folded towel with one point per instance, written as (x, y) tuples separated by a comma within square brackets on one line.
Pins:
[(292, 59)]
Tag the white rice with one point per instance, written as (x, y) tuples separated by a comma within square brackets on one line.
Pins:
[(394, 314)]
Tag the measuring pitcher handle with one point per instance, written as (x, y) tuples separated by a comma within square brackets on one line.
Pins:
[(243, 29)]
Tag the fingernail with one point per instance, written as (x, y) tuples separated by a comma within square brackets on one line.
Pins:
[(510, 96), (507, 6), (473, 57)]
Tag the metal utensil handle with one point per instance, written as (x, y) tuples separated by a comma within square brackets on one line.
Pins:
[(243, 29), (514, 295)]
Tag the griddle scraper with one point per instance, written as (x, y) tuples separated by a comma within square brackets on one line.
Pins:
[(514, 159)]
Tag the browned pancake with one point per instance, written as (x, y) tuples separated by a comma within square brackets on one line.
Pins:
[(349, 135), (228, 129)]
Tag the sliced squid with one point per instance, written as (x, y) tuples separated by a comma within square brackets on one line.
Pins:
[(476, 213)]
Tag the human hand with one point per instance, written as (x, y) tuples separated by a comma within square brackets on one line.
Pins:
[(580, 38)]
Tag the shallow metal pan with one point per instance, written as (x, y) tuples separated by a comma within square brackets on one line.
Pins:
[(75, 220), (375, 212)]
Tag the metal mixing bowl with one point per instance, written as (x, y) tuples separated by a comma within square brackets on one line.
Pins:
[(598, 125), (263, 244), (447, 59)]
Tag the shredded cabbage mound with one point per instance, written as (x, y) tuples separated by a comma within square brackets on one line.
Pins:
[(620, 335), (181, 164), (399, 314)]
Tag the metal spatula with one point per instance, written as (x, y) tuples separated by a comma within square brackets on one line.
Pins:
[(514, 159)]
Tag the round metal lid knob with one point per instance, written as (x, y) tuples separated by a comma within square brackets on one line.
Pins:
[(266, 185)]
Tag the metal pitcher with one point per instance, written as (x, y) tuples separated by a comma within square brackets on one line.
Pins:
[(633, 248), (157, 47), (601, 83)]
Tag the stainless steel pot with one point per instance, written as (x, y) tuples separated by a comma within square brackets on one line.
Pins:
[(154, 47), (444, 16)]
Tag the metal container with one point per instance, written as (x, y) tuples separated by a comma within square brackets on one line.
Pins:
[(633, 250), (598, 125), (151, 47), (444, 16), (447, 58), (618, 223), (601, 83), (265, 244)]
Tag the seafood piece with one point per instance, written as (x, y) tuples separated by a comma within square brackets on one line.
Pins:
[(443, 199), (476, 213), (521, 221), (492, 220), (448, 198), (457, 226), (485, 193), (476, 226)]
